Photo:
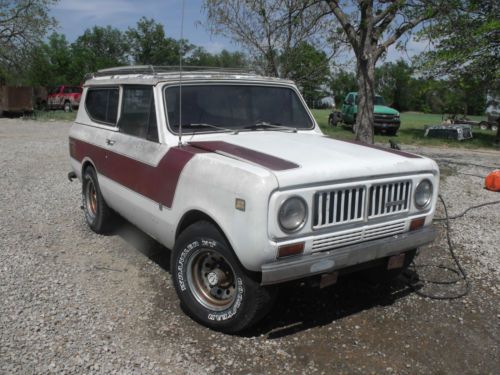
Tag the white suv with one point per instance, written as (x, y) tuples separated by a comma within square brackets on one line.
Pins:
[(251, 194)]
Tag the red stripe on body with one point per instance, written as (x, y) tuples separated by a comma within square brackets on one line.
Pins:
[(390, 150), (157, 183), (264, 160)]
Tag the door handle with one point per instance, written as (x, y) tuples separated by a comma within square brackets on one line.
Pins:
[(110, 142)]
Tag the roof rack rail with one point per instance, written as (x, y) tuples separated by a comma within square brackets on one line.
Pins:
[(154, 70)]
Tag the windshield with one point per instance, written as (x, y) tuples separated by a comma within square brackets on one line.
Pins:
[(235, 107), (377, 101)]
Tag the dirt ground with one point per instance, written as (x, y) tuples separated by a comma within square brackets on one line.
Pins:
[(76, 302)]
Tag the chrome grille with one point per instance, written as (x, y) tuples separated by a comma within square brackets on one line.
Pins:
[(388, 198), (339, 206), (357, 235)]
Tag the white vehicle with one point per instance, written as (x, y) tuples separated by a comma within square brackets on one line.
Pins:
[(252, 196)]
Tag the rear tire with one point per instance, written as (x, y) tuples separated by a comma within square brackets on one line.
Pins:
[(98, 215), (332, 120), (214, 289)]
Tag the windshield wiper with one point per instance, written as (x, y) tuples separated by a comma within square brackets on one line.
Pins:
[(269, 125), (205, 125)]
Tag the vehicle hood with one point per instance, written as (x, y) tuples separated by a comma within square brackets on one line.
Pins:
[(311, 158), (382, 109)]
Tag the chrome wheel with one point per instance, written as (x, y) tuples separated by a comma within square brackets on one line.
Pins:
[(91, 198), (211, 280)]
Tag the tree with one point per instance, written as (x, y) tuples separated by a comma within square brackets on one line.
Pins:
[(341, 83), (149, 45), (371, 27), (225, 59), (395, 83), (466, 46), (271, 29), (98, 48), (50, 63), (309, 68), (23, 24)]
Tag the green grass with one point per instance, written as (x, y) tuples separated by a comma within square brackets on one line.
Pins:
[(412, 131), (52, 115)]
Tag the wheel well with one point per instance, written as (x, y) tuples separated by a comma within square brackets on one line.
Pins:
[(192, 217), (86, 165)]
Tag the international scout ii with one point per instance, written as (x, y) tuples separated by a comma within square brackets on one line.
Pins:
[(231, 172)]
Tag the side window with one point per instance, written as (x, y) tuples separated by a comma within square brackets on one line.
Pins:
[(67, 90), (102, 104), (138, 115)]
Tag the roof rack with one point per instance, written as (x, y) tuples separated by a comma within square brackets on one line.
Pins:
[(154, 70)]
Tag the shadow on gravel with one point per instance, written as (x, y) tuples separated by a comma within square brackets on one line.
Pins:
[(143, 243), (299, 308)]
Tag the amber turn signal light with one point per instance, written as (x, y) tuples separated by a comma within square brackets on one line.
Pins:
[(417, 223), (292, 249)]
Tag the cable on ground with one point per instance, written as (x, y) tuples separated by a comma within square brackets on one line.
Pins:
[(460, 272)]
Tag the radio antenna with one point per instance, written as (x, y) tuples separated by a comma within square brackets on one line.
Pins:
[(181, 53)]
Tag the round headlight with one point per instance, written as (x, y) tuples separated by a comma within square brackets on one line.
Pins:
[(292, 215), (423, 194)]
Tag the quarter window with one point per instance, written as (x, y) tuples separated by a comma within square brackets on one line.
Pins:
[(102, 104), (138, 115)]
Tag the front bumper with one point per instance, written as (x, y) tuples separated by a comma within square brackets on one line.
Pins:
[(386, 124), (328, 261)]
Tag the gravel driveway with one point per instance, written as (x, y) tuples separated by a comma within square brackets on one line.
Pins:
[(76, 302)]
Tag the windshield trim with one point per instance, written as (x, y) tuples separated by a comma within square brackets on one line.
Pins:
[(235, 83)]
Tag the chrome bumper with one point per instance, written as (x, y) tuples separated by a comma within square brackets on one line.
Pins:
[(329, 261)]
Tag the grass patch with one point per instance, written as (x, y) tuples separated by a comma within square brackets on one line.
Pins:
[(52, 115), (412, 131)]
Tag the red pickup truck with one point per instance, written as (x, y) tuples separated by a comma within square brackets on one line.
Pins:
[(64, 97)]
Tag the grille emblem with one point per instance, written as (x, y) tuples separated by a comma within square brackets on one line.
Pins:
[(395, 203)]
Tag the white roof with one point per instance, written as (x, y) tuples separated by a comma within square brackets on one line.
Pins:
[(146, 75)]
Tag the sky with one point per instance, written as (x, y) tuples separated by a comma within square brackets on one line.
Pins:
[(75, 16)]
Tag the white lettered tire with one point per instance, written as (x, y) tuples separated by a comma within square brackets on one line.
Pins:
[(214, 289)]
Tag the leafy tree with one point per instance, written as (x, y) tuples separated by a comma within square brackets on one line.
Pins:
[(149, 45), (465, 41), (23, 24), (225, 59), (395, 83), (466, 46), (98, 48), (309, 68), (50, 63), (341, 83), (269, 30), (371, 27)]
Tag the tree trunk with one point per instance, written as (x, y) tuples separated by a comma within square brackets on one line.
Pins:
[(366, 96)]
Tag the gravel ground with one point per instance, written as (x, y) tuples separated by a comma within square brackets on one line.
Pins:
[(76, 302)]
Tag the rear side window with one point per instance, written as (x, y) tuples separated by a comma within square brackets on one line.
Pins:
[(138, 115), (102, 104)]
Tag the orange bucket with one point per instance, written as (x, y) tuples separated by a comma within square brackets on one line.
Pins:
[(492, 181)]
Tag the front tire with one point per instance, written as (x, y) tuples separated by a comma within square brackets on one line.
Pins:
[(98, 215), (214, 289), (67, 107)]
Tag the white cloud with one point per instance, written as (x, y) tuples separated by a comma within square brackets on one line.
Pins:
[(214, 47)]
